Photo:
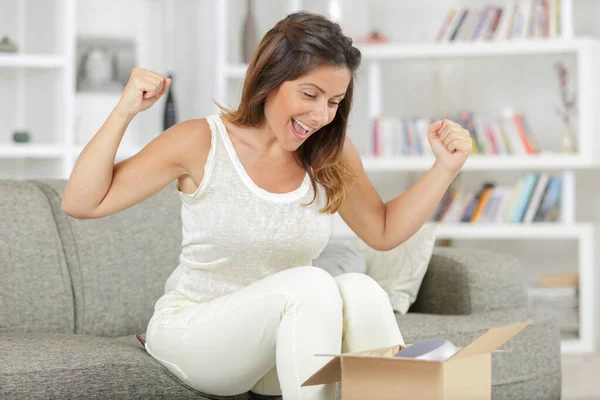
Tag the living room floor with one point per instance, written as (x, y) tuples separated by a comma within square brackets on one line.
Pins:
[(580, 376)]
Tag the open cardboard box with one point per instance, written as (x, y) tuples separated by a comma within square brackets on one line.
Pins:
[(377, 374)]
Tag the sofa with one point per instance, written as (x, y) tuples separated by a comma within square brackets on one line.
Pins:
[(74, 294)]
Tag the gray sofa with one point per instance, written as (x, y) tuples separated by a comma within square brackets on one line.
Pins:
[(73, 294)]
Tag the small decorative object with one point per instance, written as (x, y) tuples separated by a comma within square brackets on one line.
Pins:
[(568, 139), (375, 37), (7, 45), (170, 111), (21, 137), (249, 34), (104, 64), (567, 111)]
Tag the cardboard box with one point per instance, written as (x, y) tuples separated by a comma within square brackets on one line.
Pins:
[(378, 375)]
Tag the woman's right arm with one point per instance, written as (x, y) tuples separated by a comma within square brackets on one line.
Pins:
[(98, 187)]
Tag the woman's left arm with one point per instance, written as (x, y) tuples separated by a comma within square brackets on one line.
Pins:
[(384, 226)]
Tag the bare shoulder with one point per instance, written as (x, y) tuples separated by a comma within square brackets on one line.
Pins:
[(352, 156), (194, 140)]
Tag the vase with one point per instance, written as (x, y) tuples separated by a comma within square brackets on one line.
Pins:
[(7, 45), (568, 139), (170, 110), (22, 136), (249, 34)]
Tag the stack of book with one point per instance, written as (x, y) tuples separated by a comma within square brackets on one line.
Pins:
[(558, 295), (407, 136), (535, 198), (521, 19)]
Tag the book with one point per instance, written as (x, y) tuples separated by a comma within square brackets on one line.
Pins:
[(559, 280), (472, 205), (536, 198), (549, 209), (519, 19), (523, 198), (446, 25)]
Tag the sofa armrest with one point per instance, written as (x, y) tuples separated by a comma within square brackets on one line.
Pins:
[(465, 281)]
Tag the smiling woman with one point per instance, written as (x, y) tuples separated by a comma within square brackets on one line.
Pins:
[(246, 295), (245, 309)]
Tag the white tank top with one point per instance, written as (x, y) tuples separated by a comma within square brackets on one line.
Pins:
[(235, 233)]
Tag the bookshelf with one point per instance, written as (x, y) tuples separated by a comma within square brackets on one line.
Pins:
[(586, 52), (44, 63)]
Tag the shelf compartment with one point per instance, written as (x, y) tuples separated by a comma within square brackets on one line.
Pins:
[(32, 61), (482, 163), (528, 47), (27, 150)]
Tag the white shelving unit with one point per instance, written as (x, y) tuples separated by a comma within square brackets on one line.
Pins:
[(31, 61), (586, 52), (57, 151), (45, 59)]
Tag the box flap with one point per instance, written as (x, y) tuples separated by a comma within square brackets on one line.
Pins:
[(490, 340), (329, 373), (332, 371), (389, 351)]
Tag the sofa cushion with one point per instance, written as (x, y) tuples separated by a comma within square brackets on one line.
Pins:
[(62, 366), (120, 263), (534, 352), (341, 256), (462, 282), (36, 294), (400, 271)]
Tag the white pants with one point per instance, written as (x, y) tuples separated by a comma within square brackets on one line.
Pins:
[(264, 337)]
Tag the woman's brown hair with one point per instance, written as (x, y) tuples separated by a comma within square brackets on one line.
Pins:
[(294, 46)]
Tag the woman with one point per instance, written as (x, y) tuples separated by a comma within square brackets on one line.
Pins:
[(258, 185)]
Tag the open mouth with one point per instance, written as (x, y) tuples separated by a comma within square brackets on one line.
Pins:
[(301, 131)]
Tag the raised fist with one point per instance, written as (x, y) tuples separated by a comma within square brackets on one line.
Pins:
[(143, 89)]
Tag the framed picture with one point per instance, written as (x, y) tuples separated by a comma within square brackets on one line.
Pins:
[(104, 64)]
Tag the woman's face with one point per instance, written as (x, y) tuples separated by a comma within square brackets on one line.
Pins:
[(299, 108)]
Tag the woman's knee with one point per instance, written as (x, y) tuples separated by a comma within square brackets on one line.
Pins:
[(357, 285), (314, 283)]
